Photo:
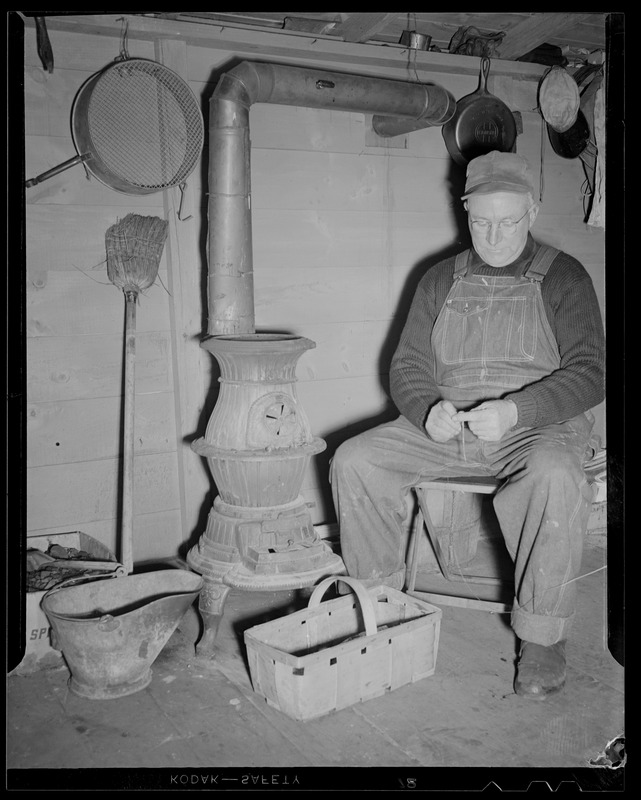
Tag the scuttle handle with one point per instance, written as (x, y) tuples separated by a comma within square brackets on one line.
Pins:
[(108, 623)]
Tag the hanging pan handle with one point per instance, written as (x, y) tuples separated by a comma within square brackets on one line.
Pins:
[(369, 617), (485, 72), (55, 170)]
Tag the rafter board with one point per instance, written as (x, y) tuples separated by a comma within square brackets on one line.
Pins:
[(320, 26), (535, 31), (361, 27)]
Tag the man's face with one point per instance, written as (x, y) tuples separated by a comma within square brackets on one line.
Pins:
[(497, 245)]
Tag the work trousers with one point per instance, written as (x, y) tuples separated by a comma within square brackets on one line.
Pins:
[(542, 507)]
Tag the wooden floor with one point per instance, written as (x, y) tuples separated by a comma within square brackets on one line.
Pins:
[(199, 719)]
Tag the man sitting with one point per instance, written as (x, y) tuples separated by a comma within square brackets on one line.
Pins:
[(499, 363)]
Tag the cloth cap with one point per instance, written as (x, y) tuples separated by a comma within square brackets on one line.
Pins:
[(498, 172)]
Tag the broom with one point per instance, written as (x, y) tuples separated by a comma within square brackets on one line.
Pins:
[(134, 248)]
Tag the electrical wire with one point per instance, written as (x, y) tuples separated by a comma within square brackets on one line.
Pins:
[(412, 52)]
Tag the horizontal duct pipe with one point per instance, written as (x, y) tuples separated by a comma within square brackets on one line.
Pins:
[(397, 107)]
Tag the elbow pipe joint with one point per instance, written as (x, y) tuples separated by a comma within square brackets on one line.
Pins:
[(439, 108), (396, 107)]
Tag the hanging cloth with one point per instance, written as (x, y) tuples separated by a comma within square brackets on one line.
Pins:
[(597, 211)]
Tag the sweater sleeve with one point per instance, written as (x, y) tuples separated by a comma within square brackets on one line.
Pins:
[(412, 383), (579, 383)]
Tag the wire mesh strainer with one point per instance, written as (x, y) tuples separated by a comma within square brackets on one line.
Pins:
[(137, 127)]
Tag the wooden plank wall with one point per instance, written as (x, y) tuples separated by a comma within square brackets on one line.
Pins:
[(344, 224), (75, 320)]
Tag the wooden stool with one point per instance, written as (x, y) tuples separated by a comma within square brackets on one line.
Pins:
[(475, 485)]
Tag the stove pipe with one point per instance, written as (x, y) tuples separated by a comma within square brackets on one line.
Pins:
[(397, 107)]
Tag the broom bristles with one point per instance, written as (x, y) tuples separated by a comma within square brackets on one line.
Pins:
[(134, 248)]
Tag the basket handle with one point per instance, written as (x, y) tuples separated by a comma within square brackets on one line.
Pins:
[(369, 617)]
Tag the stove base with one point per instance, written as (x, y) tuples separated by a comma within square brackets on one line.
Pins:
[(256, 549)]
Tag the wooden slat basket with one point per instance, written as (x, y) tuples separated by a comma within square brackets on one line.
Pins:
[(334, 654)]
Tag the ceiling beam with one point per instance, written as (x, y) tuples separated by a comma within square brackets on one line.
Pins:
[(252, 42), (320, 26), (534, 31), (361, 27), (226, 17)]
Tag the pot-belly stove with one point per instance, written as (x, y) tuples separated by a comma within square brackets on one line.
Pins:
[(258, 445)]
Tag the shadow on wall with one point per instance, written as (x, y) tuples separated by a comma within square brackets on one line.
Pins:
[(456, 181), (333, 439), (201, 427)]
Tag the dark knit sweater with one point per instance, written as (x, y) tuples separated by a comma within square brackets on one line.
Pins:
[(573, 312)]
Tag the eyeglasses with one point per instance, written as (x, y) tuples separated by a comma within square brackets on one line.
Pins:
[(507, 226)]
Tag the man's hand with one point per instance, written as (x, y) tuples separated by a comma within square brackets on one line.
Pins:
[(490, 420), (442, 423)]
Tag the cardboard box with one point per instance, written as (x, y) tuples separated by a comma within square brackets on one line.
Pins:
[(38, 650)]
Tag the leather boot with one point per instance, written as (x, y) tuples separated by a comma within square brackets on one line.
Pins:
[(541, 670)]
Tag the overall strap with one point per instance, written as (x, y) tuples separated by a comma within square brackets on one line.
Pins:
[(541, 263), (461, 264)]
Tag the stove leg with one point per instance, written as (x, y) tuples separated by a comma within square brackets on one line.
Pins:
[(211, 607)]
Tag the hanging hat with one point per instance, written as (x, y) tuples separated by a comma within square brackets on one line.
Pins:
[(559, 99), (571, 143)]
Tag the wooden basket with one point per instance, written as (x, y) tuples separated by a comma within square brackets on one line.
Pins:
[(332, 655)]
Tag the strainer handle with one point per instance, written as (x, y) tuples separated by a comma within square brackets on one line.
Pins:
[(55, 170)]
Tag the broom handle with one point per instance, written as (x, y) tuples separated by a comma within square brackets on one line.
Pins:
[(128, 448)]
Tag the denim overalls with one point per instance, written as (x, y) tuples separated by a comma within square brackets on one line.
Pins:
[(492, 337)]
